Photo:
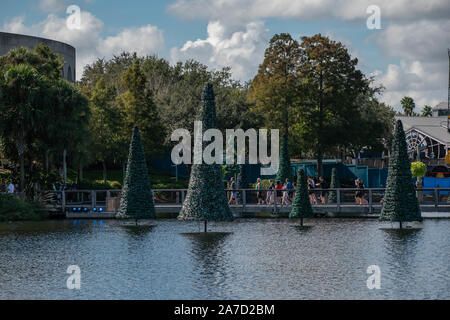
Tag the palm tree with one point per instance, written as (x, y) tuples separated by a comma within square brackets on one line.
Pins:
[(427, 111), (408, 106)]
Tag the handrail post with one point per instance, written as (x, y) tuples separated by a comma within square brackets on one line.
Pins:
[(63, 201), (182, 196), (370, 201), (436, 197), (93, 200), (338, 199), (244, 199), (274, 195)]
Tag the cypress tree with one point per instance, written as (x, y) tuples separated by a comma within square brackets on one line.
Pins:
[(206, 198), (242, 182), (400, 200), (301, 207), (137, 195), (332, 196), (284, 169)]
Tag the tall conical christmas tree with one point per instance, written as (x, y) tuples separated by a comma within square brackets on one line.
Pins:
[(301, 207), (242, 182), (206, 198), (332, 196), (400, 201), (137, 195), (284, 169)]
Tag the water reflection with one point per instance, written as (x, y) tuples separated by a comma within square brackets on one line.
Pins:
[(208, 252)]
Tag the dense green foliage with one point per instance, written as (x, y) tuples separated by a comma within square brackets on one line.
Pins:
[(418, 169), (206, 199), (314, 90), (301, 208), (400, 201), (13, 209), (137, 195), (41, 115), (334, 184)]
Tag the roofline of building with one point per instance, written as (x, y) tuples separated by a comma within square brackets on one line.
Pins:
[(37, 38)]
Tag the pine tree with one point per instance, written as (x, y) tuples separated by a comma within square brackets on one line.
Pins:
[(242, 182), (206, 198), (284, 169), (137, 195), (332, 196), (301, 207), (400, 201)]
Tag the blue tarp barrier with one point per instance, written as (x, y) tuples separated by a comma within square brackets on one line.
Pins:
[(431, 182)]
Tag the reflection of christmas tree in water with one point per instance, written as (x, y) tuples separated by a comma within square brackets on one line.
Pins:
[(206, 198), (400, 202), (208, 252)]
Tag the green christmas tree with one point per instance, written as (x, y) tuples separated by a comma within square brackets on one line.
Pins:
[(206, 198), (284, 169), (137, 195), (332, 196), (301, 207), (242, 182), (400, 201)]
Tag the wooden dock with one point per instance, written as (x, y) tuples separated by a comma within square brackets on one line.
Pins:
[(96, 204)]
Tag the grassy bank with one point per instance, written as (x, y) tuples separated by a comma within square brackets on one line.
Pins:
[(13, 209)]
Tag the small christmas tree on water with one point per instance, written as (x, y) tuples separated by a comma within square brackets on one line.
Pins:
[(206, 198), (301, 207), (284, 169), (335, 184), (400, 201), (137, 195)]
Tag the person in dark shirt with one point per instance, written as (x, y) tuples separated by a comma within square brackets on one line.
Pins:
[(324, 192)]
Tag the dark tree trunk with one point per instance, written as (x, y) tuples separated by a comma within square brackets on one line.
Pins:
[(301, 222), (104, 172), (206, 226), (401, 227)]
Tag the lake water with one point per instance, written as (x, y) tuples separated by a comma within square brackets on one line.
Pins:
[(251, 259)]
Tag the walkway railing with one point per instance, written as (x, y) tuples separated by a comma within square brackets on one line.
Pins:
[(249, 199)]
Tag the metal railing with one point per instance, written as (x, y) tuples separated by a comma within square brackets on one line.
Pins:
[(344, 197)]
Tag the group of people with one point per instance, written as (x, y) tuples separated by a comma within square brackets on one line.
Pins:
[(322, 185), (9, 187), (284, 194)]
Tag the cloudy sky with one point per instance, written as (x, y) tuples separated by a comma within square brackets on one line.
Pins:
[(408, 55)]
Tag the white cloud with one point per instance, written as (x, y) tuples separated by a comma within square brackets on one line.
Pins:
[(239, 47), (422, 72), (249, 10), (88, 41), (52, 5)]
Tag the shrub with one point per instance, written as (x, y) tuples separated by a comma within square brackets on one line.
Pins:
[(13, 209)]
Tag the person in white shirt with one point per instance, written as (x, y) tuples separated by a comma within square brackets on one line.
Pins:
[(10, 188)]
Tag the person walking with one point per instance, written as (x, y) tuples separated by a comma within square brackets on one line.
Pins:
[(279, 188), (359, 194), (270, 193), (324, 192), (259, 194), (233, 197), (312, 194), (10, 188), (289, 189)]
